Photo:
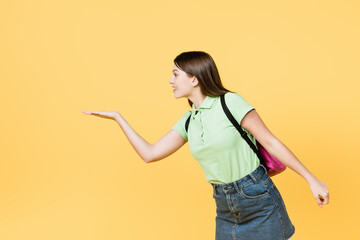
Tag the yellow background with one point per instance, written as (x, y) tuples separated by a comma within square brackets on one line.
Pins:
[(67, 175)]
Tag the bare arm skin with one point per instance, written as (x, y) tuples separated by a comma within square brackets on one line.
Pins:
[(164, 147), (253, 123), (148, 152), (141, 146), (167, 145)]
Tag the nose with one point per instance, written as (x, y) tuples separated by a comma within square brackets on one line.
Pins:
[(171, 80)]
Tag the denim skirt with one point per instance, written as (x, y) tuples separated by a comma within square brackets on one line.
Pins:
[(251, 208)]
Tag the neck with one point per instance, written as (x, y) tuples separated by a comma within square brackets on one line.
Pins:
[(197, 98)]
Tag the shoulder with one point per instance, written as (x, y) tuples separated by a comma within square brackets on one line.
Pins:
[(185, 116), (237, 105), (233, 97), (180, 124)]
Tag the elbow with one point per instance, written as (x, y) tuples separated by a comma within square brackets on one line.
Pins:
[(149, 156), (147, 159)]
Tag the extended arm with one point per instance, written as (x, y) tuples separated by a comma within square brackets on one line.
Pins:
[(167, 145), (141, 146), (164, 147), (253, 123)]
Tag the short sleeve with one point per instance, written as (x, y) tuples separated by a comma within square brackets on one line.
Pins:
[(237, 105), (180, 125)]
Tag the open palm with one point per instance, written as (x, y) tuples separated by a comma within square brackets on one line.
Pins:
[(109, 115)]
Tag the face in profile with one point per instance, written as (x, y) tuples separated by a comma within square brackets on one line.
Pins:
[(182, 85)]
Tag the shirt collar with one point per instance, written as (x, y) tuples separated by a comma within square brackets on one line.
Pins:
[(207, 103)]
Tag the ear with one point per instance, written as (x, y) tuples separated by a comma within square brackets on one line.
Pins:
[(194, 81)]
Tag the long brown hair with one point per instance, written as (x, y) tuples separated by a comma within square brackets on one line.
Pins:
[(201, 65)]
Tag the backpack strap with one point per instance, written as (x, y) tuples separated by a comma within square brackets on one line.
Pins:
[(242, 132), (238, 127), (187, 122)]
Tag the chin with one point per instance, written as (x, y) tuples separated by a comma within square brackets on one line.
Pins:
[(176, 95)]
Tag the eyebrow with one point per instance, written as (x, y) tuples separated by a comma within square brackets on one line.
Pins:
[(174, 70)]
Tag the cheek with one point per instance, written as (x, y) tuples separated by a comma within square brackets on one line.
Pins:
[(184, 84)]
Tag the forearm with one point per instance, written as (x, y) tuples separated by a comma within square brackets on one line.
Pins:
[(141, 146), (284, 155)]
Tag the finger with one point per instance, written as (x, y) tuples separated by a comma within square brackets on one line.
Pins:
[(318, 201), (325, 198), (92, 113), (97, 113)]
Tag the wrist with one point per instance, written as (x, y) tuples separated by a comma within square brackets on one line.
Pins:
[(311, 179), (118, 117)]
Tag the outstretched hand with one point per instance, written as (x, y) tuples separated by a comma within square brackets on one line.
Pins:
[(320, 192), (109, 115)]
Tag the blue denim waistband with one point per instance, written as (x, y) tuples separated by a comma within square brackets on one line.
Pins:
[(254, 176)]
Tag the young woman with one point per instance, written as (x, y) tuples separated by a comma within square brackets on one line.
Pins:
[(249, 205)]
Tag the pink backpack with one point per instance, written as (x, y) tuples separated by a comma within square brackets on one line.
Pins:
[(272, 164)]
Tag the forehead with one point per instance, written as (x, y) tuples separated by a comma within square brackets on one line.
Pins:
[(175, 68)]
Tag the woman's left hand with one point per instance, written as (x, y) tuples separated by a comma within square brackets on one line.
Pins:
[(320, 192)]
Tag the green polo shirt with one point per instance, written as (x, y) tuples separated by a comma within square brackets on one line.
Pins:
[(215, 143)]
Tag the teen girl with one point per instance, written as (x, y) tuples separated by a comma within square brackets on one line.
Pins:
[(248, 204)]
